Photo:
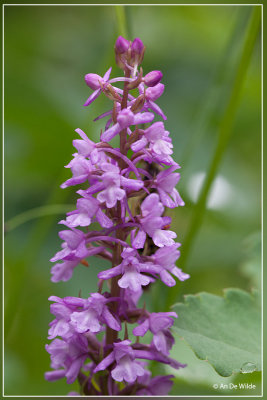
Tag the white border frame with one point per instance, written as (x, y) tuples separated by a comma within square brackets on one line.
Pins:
[(140, 5)]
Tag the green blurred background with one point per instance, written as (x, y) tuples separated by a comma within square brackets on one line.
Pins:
[(48, 50)]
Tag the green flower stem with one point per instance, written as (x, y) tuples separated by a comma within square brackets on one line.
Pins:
[(121, 21), (219, 89), (225, 130)]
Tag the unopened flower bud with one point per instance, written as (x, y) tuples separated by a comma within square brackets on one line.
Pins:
[(121, 50), (137, 47), (92, 80), (152, 78), (121, 45), (137, 51)]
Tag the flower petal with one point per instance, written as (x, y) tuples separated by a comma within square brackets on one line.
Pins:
[(105, 363), (110, 320), (110, 133), (91, 98)]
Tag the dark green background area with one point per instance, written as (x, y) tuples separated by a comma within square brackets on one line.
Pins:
[(48, 50)]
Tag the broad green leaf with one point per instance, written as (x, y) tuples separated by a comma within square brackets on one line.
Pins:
[(225, 331)]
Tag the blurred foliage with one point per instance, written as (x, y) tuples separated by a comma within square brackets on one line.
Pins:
[(48, 50), (224, 331)]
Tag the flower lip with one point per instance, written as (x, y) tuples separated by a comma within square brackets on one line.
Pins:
[(153, 93), (125, 118)]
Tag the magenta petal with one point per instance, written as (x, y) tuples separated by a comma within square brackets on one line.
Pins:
[(60, 311), (108, 123), (127, 370), (161, 321), (107, 74), (139, 144), (81, 251), (91, 98), (74, 369), (85, 320), (74, 301), (118, 373), (167, 278), (105, 363), (125, 118), (63, 271), (87, 206), (160, 342), (163, 238), (110, 133), (175, 364), (131, 183), (133, 280), (60, 328), (94, 156), (151, 204), (105, 114), (83, 135), (72, 237), (76, 180), (110, 320), (104, 221), (82, 147), (143, 118), (150, 268), (161, 385), (111, 195), (167, 179), (166, 199), (178, 200), (78, 220), (55, 298), (153, 93), (93, 189), (156, 109), (141, 329), (182, 276), (61, 254), (54, 375), (110, 273), (91, 251), (139, 240)]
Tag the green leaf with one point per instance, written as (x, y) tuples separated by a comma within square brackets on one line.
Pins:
[(38, 212), (225, 331)]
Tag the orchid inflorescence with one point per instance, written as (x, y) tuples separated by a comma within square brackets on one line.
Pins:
[(129, 189)]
